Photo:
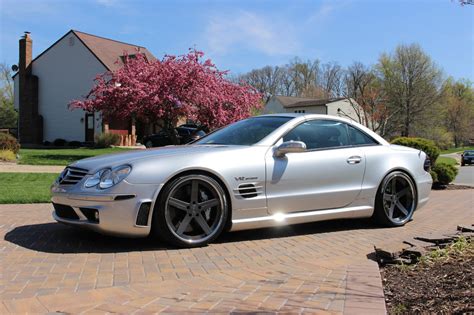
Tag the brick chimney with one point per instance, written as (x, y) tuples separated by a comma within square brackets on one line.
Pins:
[(30, 122)]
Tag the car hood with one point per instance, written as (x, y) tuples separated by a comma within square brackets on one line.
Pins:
[(115, 159)]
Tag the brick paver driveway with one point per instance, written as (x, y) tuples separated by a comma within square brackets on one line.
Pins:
[(318, 267)]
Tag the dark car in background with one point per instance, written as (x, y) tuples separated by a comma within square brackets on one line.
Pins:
[(184, 134), (467, 157)]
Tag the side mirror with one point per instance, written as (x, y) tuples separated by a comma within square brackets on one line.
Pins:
[(290, 147)]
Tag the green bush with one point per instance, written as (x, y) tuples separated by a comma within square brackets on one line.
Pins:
[(75, 144), (434, 176), (445, 173), (59, 142), (425, 145), (7, 156), (106, 140), (8, 142)]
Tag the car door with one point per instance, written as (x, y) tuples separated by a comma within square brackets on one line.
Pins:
[(327, 175)]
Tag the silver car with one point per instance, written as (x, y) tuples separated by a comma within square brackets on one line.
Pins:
[(259, 172)]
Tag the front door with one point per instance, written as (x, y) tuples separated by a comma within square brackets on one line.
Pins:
[(90, 127), (328, 175)]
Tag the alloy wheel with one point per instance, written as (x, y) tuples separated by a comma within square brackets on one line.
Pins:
[(194, 209), (398, 198)]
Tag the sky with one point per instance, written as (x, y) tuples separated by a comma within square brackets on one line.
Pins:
[(243, 35)]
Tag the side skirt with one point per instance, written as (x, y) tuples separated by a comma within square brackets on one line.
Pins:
[(279, 219)]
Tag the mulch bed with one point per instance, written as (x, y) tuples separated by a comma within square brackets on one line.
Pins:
[(442, 285), (451, 187)]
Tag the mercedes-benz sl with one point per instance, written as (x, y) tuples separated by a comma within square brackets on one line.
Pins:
[(259, 172)]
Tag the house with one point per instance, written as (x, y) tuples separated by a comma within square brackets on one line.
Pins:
[(333, 106), (44, 86)]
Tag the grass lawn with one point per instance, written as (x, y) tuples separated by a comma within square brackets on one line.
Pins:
[(61, 156), (25, 187), (454, 150), (446, 160)]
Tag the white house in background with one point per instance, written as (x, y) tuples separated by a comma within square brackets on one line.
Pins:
[(334, 106), (65, 71)]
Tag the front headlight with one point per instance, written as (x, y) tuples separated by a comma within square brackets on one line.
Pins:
[(107, 177)]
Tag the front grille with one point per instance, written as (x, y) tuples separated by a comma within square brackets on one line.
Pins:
[(65, 212), (71, 176)]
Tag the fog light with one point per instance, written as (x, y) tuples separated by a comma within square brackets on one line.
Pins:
[(92, 215)]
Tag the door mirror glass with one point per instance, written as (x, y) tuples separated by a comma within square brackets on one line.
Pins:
[(290, 147)]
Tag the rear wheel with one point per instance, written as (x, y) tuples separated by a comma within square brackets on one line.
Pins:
[(396, 200), (192, 211), (149, 144)]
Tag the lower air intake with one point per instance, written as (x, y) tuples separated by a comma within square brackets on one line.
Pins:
[(143, 212)]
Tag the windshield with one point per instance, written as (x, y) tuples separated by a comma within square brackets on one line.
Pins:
[(469, 153), (245, 132)]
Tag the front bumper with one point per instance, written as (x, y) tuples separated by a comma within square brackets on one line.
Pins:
[(120, 209)]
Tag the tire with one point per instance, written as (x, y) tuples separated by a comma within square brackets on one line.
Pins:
[(192, 211), (149, 144), (396, 200)]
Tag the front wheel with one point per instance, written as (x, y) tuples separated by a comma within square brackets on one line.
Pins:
[(191, 212), (396, 200)]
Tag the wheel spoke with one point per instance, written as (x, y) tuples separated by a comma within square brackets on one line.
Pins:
[(208, 204), (184, 224), (194, 191), (203, 224), (387, 197), (403, 192), (402, 208), (394, 185), (178, 204), (390, 210)]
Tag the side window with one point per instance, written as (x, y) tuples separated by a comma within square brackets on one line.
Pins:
[(357, 137), (320, 134)]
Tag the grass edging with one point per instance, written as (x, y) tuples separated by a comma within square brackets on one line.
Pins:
[(16, 188)]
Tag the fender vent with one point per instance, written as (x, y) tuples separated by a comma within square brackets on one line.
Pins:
[(248, 190)]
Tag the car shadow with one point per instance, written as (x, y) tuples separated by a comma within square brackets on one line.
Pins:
[(63, 239)]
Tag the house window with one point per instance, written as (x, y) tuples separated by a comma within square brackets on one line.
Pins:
[(131, 56), (300, 111)]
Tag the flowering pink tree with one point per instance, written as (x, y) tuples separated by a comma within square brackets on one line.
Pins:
[(168, 89)]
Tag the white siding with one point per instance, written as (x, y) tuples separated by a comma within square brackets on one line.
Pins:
[(65, 73), (273, 106), (319, 109), (346, 110), (16, 92)]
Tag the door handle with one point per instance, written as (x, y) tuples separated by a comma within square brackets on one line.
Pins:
[(354, 159)]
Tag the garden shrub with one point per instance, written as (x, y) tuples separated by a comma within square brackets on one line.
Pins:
[(9, 143), (434, 176), (59, 142), (106, 140), (445, 173), (47, 143), (75, 144), (422, 144), (7, 156)]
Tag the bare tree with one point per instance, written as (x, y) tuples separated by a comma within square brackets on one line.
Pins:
[(411, 83), (331, 79), (364, 91), (458, 98), (8, 115), (266, 80)]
